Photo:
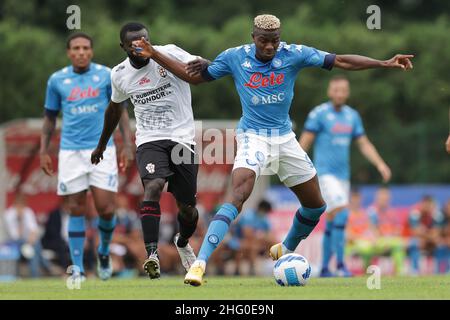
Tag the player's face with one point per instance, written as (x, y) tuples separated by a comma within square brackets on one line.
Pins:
[(127, 45), (266, 43), (80, 52), (383, 198), (338, 92)]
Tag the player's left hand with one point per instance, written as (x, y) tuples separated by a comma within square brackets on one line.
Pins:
[(385, 172), (400, 61), (126, 158), (97, 155), (143, 48)]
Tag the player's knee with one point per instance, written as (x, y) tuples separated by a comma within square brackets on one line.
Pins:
[(188, 212), (106, 210), (153, 189)]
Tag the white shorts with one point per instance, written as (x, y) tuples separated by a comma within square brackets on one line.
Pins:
[(335, 191), (76, 172), (280, 155)]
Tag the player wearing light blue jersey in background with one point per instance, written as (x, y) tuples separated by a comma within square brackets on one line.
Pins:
[(82, 92), (332, 126), (264, 74)]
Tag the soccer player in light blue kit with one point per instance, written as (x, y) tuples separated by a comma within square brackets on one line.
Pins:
[(332, 126), (264, 74), (82, 92)]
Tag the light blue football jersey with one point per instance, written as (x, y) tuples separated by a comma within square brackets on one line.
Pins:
[(266, 89), (334, 131), (83, 99)]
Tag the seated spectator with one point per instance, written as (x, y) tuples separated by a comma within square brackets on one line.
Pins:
[(425, 223), (360, 231), (253, 235), (23, 232), (388, 229), (127, 249), (444, 266), (375, 232), (55, 234)]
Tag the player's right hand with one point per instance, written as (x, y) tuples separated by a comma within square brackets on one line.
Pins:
[(97, 155), (46, 164), (196, 66)]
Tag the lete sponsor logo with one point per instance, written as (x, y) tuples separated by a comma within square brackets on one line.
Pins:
[(77, 93), (257, 80)]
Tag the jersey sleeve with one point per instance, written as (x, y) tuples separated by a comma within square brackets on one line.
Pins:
[(220, 67), (117, 95), (177, 53), (52, 96), (312, 123), (358, 128), (311, 57)]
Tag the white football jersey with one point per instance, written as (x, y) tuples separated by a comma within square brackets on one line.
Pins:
[(162, 101)]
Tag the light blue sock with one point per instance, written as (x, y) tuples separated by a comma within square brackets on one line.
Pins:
[(338, 236), (305, 221), (77, 235), (106, 229), (217, 230), (327, 251)]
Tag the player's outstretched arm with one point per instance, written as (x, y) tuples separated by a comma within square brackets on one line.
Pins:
[(111, 119), (370, 152), (127, 153), (356, 62), (177, 67), (46, 134)]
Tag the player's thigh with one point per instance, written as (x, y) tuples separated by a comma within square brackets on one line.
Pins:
[(334, 192), (295, 167), (183, 183), (104, 200), (73, 172), (252, 153), (105, 175), (153, 160)]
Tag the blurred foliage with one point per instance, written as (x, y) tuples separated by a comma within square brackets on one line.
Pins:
[(405, 114)]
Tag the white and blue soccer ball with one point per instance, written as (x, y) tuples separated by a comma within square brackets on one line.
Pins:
[(292, 270)]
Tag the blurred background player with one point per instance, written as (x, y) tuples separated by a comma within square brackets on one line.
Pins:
[(332, 126), (164, 139), (82, 92), (264, 73)]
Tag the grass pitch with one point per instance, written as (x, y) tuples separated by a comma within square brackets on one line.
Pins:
[(173, 288)]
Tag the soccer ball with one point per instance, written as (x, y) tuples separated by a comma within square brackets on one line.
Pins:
[(292, 270)]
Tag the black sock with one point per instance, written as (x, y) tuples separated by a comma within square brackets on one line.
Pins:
[(150, 213), (188, 224)]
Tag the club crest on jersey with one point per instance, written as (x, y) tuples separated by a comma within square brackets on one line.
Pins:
[(150, 168), (257, 80), (143, 81), (162, 72), (95, 78), (277, 63)]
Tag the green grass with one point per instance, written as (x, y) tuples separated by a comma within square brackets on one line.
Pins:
[(173, 288)]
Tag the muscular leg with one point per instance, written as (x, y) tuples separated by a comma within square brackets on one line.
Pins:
[(307, 217), (187, 218), (242, 181), (150, 213), (77, 228), (104, 201)]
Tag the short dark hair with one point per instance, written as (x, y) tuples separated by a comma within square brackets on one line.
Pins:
[(428, 198), (78, 35), (265, 205), (130, 27), (338, 77)]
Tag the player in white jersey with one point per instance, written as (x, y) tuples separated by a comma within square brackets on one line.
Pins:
[(81, 92), (164, 139)]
